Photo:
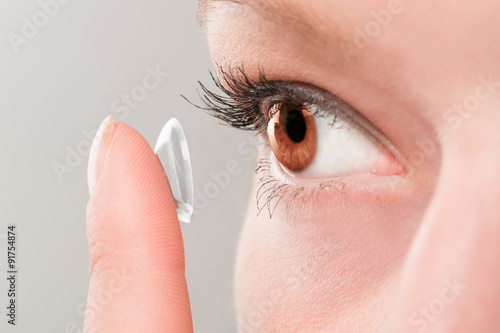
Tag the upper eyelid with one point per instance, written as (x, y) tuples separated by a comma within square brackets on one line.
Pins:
[(325, 104), (313, 96), (242, 97)]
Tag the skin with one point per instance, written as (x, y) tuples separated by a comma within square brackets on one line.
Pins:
[(419, 252)]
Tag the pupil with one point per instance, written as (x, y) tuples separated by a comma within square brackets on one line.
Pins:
[(296, 126)]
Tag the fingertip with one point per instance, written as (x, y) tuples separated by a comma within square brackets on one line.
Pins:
[(98, 152), (132, 226), (133, 195)]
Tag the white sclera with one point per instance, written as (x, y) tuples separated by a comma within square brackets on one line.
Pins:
[(172, 149)]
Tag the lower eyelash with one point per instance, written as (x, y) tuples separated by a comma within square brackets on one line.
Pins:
[(269, 188), (272, 192)]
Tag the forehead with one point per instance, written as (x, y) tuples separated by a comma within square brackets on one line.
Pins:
[(349, 19)]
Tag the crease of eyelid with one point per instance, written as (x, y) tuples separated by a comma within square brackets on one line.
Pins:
[(317, 27)]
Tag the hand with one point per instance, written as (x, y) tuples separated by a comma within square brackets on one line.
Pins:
[(137, 268)]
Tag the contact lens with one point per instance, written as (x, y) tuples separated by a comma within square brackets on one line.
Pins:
[(172, 150)]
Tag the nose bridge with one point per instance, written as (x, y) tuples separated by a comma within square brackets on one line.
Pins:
[(451, 277)]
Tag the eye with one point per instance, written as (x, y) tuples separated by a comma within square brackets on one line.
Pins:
[(312, 143), (292, 134)]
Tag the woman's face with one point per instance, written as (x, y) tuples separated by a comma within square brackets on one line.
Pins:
[(394, 224)]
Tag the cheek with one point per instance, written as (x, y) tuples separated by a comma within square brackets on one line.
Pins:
[(323, 261)]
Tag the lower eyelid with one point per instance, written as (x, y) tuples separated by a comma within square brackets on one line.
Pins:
[(358, 182), (278, 191)]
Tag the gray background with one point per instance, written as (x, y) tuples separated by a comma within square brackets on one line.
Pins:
[(61, 84)]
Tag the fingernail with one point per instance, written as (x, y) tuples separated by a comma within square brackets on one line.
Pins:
[(99, 151), (172, 150)]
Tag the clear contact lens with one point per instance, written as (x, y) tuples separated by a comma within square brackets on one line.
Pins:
[(172, 149)]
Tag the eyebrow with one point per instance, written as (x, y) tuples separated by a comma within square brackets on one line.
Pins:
[(284, 12), (261, 6)]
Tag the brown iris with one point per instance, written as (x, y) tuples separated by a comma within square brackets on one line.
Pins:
[(292, 134)]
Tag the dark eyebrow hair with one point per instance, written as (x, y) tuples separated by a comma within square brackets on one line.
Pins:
[(287, 13)]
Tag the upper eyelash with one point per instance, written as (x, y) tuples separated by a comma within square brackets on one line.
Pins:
[(239, 103), (240, 100)]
